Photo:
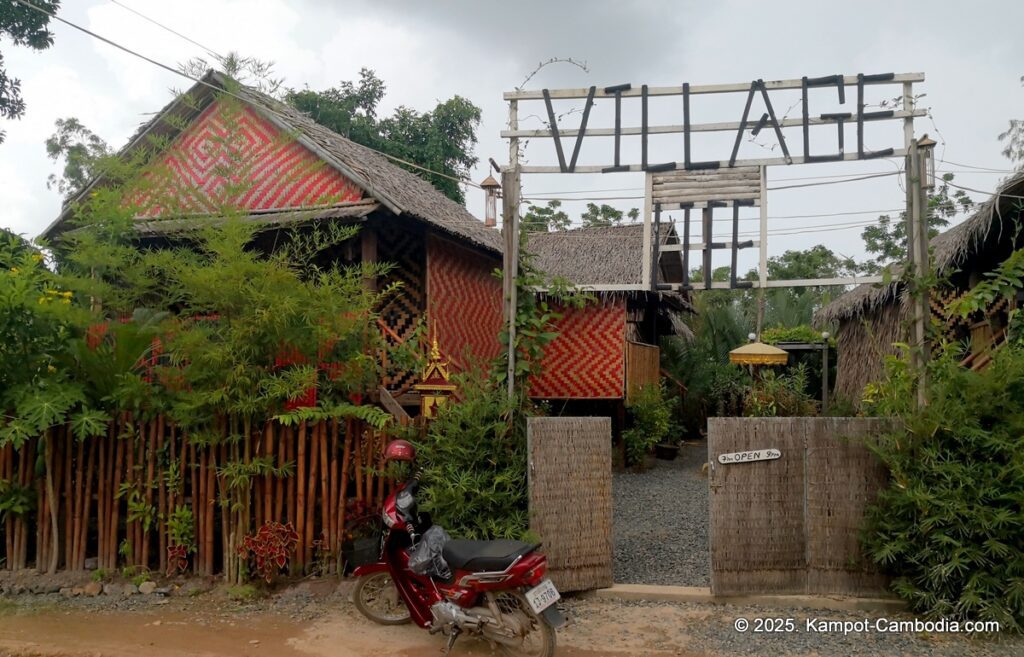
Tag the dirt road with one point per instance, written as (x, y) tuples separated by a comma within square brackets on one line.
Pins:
[(328, 626)]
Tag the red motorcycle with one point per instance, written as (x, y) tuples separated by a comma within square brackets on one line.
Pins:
[(495, 590)]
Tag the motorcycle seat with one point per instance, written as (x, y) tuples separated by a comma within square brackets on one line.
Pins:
[(484, 556)]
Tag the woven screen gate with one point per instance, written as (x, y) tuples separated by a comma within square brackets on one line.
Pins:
[(788, 505), (570, 468)]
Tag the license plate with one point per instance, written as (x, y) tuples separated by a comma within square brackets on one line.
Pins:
[(542, 596)]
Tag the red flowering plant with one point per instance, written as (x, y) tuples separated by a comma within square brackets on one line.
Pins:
[(270, 548)]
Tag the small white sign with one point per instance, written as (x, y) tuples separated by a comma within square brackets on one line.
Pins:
[(769, 454)]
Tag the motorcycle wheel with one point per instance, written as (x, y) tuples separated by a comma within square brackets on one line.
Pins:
[(538, 637), (376, 597)]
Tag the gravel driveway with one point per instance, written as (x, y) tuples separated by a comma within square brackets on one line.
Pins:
[(661, 522)]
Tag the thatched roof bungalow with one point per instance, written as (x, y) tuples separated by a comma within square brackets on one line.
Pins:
[(224, 145), (872, 317)]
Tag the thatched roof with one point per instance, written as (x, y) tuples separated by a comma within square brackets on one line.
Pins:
[(401, 191), (605, 259), (952, 250)]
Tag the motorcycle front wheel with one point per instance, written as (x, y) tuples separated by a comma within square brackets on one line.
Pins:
[(536, 637), (376, 597)]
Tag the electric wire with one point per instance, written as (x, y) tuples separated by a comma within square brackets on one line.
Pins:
[(175, 71), (169, 29)]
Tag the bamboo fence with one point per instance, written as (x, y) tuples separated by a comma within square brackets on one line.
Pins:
[(114, 495)]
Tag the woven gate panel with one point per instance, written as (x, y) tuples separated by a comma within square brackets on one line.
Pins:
[(587, 359), (233, 157), (465, 303)]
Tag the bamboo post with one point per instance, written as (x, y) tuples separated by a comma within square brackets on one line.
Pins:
[(225, 520), (300, 498), (83, 538), (346, 451), (310, 520), (161, 529), (332, 533), (208, 502), (325, 498), (115, 503), (291, 448), (147, 447), (7, 473), (69, 507), (269, 480), (279, 485)]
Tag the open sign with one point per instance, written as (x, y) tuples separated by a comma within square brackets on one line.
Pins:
[(769, 454)]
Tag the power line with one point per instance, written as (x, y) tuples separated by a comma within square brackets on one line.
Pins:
[(175, 71), (168, 29), (978, 191), (836, 182)]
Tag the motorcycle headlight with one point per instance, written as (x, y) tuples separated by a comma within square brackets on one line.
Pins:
[(387, 519)]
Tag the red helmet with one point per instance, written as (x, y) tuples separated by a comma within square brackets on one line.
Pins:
[(400, 450)]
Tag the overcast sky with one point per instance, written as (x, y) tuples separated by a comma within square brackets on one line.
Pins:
[(971, 53)]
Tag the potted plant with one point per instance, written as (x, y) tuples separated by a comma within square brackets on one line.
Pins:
[(361, 540)]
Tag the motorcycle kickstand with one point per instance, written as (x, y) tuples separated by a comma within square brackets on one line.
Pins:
[(451, 641)]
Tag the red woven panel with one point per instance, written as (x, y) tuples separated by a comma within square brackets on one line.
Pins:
[(464, 301), (588, 358), (232, 157)]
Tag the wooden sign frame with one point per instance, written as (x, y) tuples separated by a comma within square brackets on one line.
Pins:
[(568, 162)]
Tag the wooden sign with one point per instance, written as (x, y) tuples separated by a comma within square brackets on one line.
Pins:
[(769, 454), (721, 177), (568, 141)]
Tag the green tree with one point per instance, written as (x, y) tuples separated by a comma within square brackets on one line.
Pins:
[(605, 215), (25, 27), (441, 140), (1014, 139), (887, 241), (81, 149), (547, 218)]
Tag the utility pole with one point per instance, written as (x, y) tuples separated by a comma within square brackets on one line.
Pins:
[(918, 258), (510, 230), (510, 268)]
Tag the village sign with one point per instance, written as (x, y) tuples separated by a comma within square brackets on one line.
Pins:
[(730, 181)]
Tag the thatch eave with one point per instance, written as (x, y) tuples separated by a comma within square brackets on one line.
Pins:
[(950, 251)]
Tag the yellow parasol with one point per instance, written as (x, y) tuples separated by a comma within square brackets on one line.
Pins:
[(758, 353)]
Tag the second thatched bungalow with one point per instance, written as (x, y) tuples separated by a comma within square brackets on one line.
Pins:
[(871, 319)]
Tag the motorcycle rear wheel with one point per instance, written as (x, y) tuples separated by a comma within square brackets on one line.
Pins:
[(376, 597), (538, 639)]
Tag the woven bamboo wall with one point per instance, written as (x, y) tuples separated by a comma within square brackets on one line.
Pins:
[(587, 360), (791, 525), (464, 300), (571, 498), (233, 157)]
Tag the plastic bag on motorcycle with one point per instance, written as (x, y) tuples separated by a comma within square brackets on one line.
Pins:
[(425, 558)]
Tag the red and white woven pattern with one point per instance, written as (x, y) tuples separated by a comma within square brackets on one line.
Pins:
[(232, 157), (465, 303), (588, 358)]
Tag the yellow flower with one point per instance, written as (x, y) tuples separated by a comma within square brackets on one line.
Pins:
[(37, 257), (14, 270), (51, 369)]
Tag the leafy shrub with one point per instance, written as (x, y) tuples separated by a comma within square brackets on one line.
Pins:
[(271, 548), (801, 333), (651, 411), (474, 464), (950, 527), (780, 395)]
